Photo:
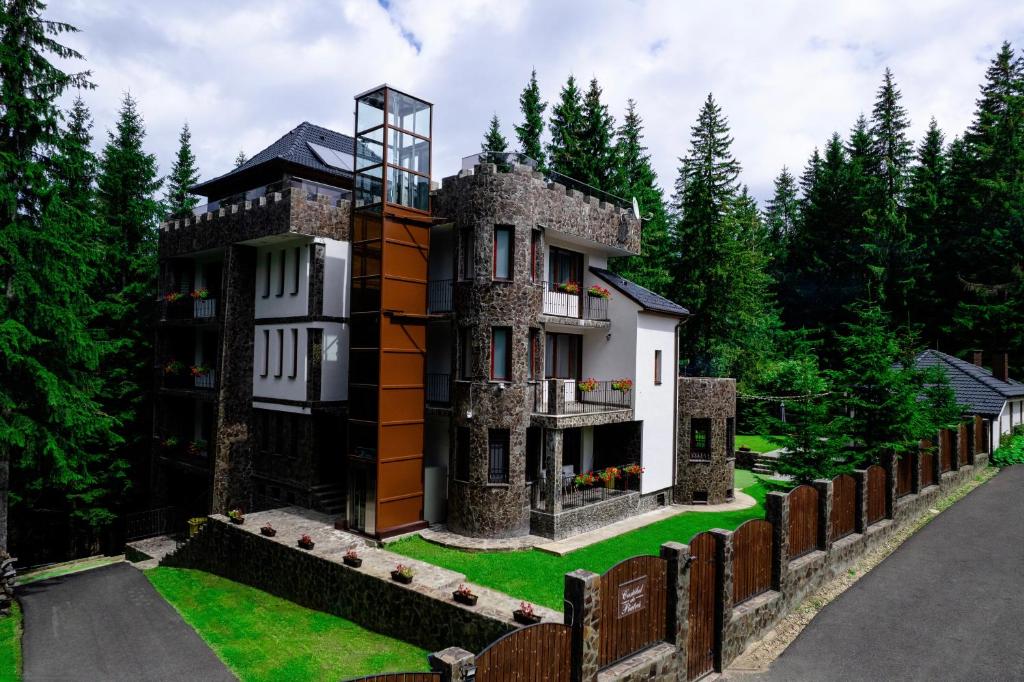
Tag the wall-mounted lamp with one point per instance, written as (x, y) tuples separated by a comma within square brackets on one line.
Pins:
[(469, 673), (608, 336)]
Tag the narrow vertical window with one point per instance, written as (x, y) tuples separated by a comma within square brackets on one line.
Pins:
[(462, 453), (502, 253), (468, 257), (497, 455), (266, 353), (280, 353), (266, 274), (501, 354), (295, 354), (466, 354), (295, 272), (657, 368), (283, 255)]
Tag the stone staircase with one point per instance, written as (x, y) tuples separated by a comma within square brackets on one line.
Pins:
[(328, 498), (765, 463)]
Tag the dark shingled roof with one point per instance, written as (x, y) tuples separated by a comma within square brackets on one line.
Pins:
[(974, 386), (645, 298), (293, 147)]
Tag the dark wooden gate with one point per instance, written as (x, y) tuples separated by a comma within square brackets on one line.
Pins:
[(700, 639), (964, 442), (876, 494), (803, 520), (904, 476), (399, 677), (539, 652), (844, 506), (945, 450), (633, 607), (752, 560)]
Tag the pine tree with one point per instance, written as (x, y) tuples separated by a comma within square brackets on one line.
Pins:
[(78, 163), (183, 175), (597, 148), (635, 177), (891, 148), (567, 125), (494, 141), (53, 434), (529, 132), (241, 158), (780, 216)]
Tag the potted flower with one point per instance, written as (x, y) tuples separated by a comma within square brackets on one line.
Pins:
[(306, 542), (201, 293), (172, 367), (587, 478), (199, 370), (236, 516), (197, 447), (352, 558), (595, 291), (569, 288), (588, 385), (464, 595), (622, 385), (403, 574), (169, 443), (268, 530), (633, 469), (609, 475), (173, 296), (525, 614)]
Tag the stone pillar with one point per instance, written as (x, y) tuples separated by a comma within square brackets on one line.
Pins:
[(889, 464), (860, 522), (553, 467), (916, 485), (723, 582), (453, 663), (954, 444), (677, 600), (583, 613), (777, 512), (824, 488)]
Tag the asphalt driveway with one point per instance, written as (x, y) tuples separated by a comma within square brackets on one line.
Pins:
[(109, 624), (947, 605)]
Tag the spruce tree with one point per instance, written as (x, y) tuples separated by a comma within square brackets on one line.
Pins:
[(241, 158), (184, 174), (892, 150), (780, 216), (635, 178), (493, 140), (597, 149), (567, 124), (530, 130)]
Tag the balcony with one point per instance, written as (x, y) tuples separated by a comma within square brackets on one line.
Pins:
[(439, 296), (177, 376), (578, 491), (569, 301), (438, 389), (187, 308), (572, 397)]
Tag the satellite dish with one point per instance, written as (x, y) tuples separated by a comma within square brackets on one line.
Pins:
[(636, 209)]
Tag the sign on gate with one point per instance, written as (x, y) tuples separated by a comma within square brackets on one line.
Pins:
[(632, 596)]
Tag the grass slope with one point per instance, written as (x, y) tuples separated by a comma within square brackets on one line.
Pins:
[(10, 645), (757, 443), (538, 577), (262, 637)]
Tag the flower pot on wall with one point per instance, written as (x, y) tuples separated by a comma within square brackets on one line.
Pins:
[(463, 598), (353, 561), (525, 618), (400, 577)]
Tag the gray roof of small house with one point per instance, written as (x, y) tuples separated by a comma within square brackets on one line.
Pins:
[(645, 298), (974, 386), (294, 147)]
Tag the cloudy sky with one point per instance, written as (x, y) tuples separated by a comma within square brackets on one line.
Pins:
[(787, 73)]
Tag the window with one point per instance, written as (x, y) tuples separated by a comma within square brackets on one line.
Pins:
[(468, 255), (266, 353), (497, 455), (502, 253), (283, 256), (266, 272), (280, 353), (535, 369), (295, 354), (462, 453), (466, 355), (501, 354), (562, 356), (565, 266), (657, 368), (700, 439), (295, 273), (534, 254)]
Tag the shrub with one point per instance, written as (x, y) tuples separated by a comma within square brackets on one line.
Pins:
[(1010, 451)]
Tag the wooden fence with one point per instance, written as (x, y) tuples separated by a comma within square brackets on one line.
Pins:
[(700, 638), (844, 506), (945, 450), (965, 436), (981, 431), (539, 652), (876, 494), (904, 476), (927, 464), (633, 607), (803, 520), (752, 560)]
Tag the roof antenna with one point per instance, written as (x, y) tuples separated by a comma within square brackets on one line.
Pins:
[(636, 212)]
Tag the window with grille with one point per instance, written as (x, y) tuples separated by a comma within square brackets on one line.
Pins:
[(700, 439), (497, 455)]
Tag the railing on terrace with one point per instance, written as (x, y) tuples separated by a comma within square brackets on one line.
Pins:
[(188, 308), (506, 160), (575, 494), (438, 388), (207, 380), (150, 523), (561, 301), (569, 396), (439, 296), (334, 196)]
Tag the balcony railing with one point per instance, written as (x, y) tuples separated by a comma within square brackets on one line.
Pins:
[(569, 396), (184, 379), (188, 308), (580, 305), (334, 196), (438, 388), (207, 380), (439, 296), (204, 308), (574, 495)]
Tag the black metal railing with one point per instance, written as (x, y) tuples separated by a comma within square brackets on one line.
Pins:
[(572, 300), (439, 296), (150, 523), (438, 388), (575, 494), (314, 191), (188, 308), (588, 396)]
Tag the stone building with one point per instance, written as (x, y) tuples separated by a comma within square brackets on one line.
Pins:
[(337, 334)]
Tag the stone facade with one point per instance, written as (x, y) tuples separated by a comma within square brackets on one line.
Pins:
[(714, 400)]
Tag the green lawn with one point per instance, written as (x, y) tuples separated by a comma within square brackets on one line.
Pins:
[(538, 577), (262, 637), (10, 645), (756, 443)]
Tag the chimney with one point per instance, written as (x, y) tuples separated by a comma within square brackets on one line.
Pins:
[(977, 358), (1001, 366)]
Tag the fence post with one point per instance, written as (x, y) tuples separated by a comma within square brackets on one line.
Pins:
[(453, 663), (777, 512), (915, 471), (723, 582), (677, 600), (954, 446), (860, 519), (553, 467), (824, 488), (583, 594)]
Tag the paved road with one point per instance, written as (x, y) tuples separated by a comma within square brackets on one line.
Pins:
[(109, 624), (948, 605)]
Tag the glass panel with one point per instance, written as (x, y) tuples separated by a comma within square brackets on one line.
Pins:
[(502, 253), (370, 149), (370, 110), (408, 189), (499, 354), (408, 113), (408, 151), (368, 187)]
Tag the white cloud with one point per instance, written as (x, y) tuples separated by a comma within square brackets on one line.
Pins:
[(786, 73)]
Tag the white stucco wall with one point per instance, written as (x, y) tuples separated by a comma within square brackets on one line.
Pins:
[(653, 404), (608, 353), (334, 375), (337, 278), (291, 303)]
